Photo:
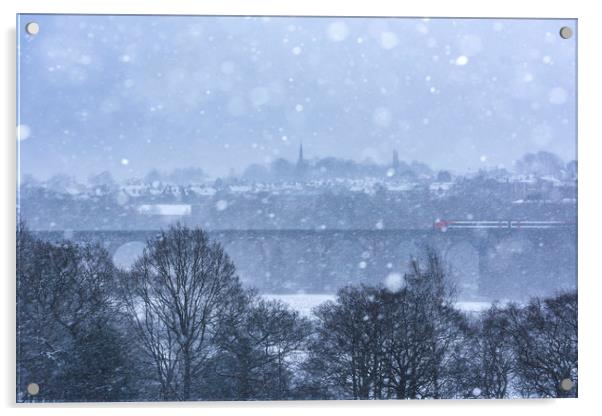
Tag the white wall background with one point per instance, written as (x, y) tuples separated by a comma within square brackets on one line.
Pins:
[(590, 209)]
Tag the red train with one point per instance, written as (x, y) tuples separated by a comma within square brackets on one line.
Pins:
[(444, 225)]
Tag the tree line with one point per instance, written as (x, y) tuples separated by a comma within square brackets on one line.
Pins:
[(180, 326)]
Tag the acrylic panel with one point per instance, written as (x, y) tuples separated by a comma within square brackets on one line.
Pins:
[(295, 208)]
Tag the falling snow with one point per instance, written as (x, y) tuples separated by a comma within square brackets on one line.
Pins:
[(221, 205), (388, 40), (461, 60), (322, 152), (338, 31), (394, 282)]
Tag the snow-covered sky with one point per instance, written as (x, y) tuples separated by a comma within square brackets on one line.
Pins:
[(128, 93)]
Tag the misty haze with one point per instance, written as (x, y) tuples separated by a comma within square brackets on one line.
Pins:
[(228, 208)]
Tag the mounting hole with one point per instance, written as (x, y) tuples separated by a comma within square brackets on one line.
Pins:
[(566, 32), (33, 389), (566, 384), (32, 28)]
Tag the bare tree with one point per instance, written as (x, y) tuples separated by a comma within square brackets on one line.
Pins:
[(260, 345), (380, 343), (345, 354), (491, 356), (544, 340), (427, 335), (66, 322), (175, 295)]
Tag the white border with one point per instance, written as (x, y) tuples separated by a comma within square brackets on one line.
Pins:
[(590, 209)]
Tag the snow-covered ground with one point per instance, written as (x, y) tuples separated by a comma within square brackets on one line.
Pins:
[(304, 303), (473, 306)]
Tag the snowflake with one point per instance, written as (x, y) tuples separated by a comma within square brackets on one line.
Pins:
[(221, 205), (337, 31), (461, 60), (388, 40), (394, 282)]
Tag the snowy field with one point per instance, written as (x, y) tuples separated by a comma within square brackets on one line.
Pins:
[(304, 303)]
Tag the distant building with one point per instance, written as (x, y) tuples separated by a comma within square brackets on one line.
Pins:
[(301, 167), (395, 163)]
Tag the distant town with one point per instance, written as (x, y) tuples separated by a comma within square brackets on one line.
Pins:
[(309, 193)]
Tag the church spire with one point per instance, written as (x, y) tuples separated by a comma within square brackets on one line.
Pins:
[(301, 163), (395, 163), (300, 160)]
